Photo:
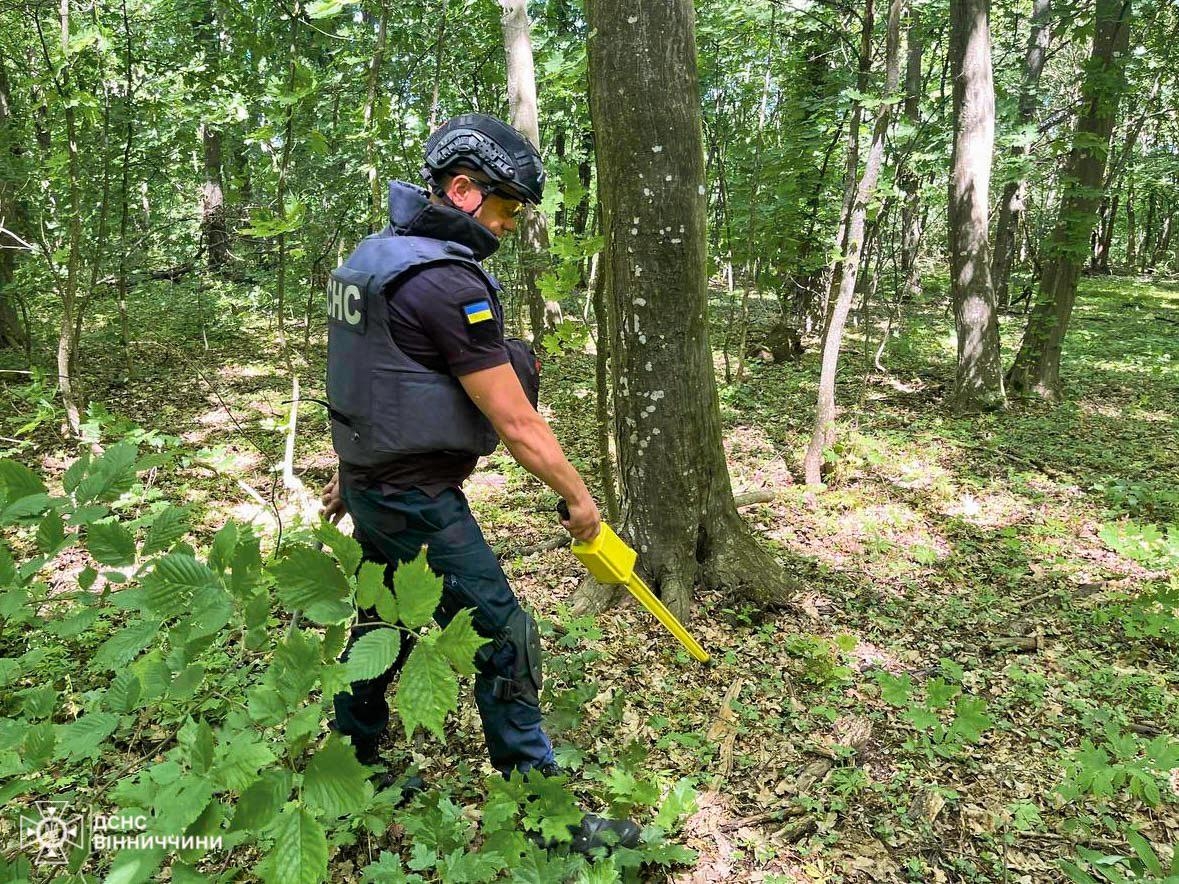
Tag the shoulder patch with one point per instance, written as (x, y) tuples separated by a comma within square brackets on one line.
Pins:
[(478, 311)]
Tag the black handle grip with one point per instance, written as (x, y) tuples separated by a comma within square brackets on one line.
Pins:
[(563, 510)]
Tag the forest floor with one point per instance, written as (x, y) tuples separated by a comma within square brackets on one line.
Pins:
[(980, 680)]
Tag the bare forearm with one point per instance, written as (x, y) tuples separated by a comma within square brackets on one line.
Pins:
[(536, 449)]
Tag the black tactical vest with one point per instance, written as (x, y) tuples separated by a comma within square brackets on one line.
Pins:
[(383, 404)]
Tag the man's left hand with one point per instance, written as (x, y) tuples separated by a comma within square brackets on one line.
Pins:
[(333, 503)]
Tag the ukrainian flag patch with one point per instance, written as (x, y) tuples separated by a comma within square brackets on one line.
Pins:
[(477, 311)]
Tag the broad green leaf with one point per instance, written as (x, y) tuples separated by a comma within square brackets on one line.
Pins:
[(18, 481), (418, 589), (50, 533), (24, 507), (7, 566), (317, 9), (260, 803), (246, 566), (239, 760), (265, 705), (300, 851), (387, 870), (110, 544), (38, 744), (680, 801), (125, 645), (76, 471), (224, 544), (370, 585), (174, 580), (459, 641), (310, 581), (894, 690), (134, 865), (427, 691), (178, 805), (553, 808), (169, 526), (970, 719), (124, 692), (346, 549), (110, 476), (88, 515), (373, 653), (335, 783), (84, 738), (196, 737)]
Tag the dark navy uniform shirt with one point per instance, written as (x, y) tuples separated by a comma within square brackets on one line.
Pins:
[(430, 321)]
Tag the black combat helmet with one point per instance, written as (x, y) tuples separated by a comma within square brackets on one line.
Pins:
[(490, 147)]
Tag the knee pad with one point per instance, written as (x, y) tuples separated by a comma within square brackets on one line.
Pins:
[(526, 678)]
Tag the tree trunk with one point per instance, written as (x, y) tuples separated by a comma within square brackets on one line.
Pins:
[(910, 183), (678, 504), (836, 268), (978, 384), (376, 195), (824, 428), (1011, 203), (12, 332), (534, 234), (1036, 371), (1131, 228), (67, 342)]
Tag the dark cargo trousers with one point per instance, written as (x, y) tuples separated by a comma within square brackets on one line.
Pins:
[(391, 529)]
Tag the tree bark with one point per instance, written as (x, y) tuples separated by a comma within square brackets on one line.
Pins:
[(677, 504), (978, 383), (910, 183), (1011, 203), (533, 237), (1036, 371), (12, 332), (376, 196), (824, 429)]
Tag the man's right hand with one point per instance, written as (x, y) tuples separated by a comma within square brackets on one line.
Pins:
[(584, 521)]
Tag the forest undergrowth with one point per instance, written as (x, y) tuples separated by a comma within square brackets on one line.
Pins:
[(978, 684)]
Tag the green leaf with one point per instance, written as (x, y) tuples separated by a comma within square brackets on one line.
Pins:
[(198, 742), (50, 534), (110, 476), (418, 591), (134, 865), (38, 744), (894, 691), (23, 508), (174, 580), (1145, 853), (125, 645), (373, 653), (310, 581), (224, 543), (680, 801), (178, 805), (370, 586), (260, 803), (239, 760), (971, 719), (940, 693), (346, 549), (553, 808), (84, 738), (124, 692), (18, 481), (7, 566), (76, 471), (387, 870), (335, 783), (300, 850), (427, 691), (110, 544), (326, 8), (168, 527), (459, 641)]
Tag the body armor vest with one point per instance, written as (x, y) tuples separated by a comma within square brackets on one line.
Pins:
[(383, 404)]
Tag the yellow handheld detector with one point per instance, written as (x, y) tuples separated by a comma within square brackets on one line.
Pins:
[(611, 561)]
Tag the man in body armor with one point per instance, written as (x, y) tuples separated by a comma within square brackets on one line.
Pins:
[(421, 383)]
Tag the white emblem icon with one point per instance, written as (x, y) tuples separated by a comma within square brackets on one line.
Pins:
[(53, 834)]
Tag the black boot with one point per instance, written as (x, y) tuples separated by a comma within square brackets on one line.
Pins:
[(382, 777), (595, 831)]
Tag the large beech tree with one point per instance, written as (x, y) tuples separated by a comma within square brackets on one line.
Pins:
[(978, 383), (677, 499), (1036, 371)]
